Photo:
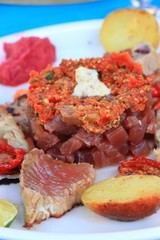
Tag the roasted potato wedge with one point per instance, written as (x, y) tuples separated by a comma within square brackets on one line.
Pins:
[(126, 28), (124, 198)]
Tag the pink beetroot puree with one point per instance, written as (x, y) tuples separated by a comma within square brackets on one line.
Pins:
[(28, 53)]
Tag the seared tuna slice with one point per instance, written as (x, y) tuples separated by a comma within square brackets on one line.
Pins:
[(51, 187)]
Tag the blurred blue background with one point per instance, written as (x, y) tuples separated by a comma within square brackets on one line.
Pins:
[(16, 18)]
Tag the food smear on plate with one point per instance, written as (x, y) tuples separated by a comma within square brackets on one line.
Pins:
[(101, 130), (28, 53), (125, 28), (51, 187)]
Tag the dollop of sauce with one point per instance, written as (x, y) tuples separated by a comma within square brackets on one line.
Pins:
[(88, 84), (28, 53)]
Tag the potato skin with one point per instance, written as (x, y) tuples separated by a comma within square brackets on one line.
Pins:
[(124, 198), (126, 28), (127, 212)]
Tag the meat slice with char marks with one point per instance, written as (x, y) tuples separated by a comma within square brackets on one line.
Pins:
[(51, 187)]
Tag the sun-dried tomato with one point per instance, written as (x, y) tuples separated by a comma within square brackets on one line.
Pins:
[(12, 159), (155, 90), (6, 148), (139, 165)]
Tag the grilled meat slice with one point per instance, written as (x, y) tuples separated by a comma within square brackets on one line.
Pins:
[(156, 151), (12, 133), (145, 54), (19, 110), (51, 187)]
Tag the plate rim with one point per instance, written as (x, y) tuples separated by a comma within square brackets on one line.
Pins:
[(139, 234), (84, 23)]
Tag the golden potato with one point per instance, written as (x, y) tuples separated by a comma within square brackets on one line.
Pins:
[(125, 28), (124, 198)]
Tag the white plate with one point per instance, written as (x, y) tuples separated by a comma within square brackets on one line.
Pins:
[(74, 40)]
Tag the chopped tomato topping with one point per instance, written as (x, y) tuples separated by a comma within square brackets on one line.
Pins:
[(52, 88)]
